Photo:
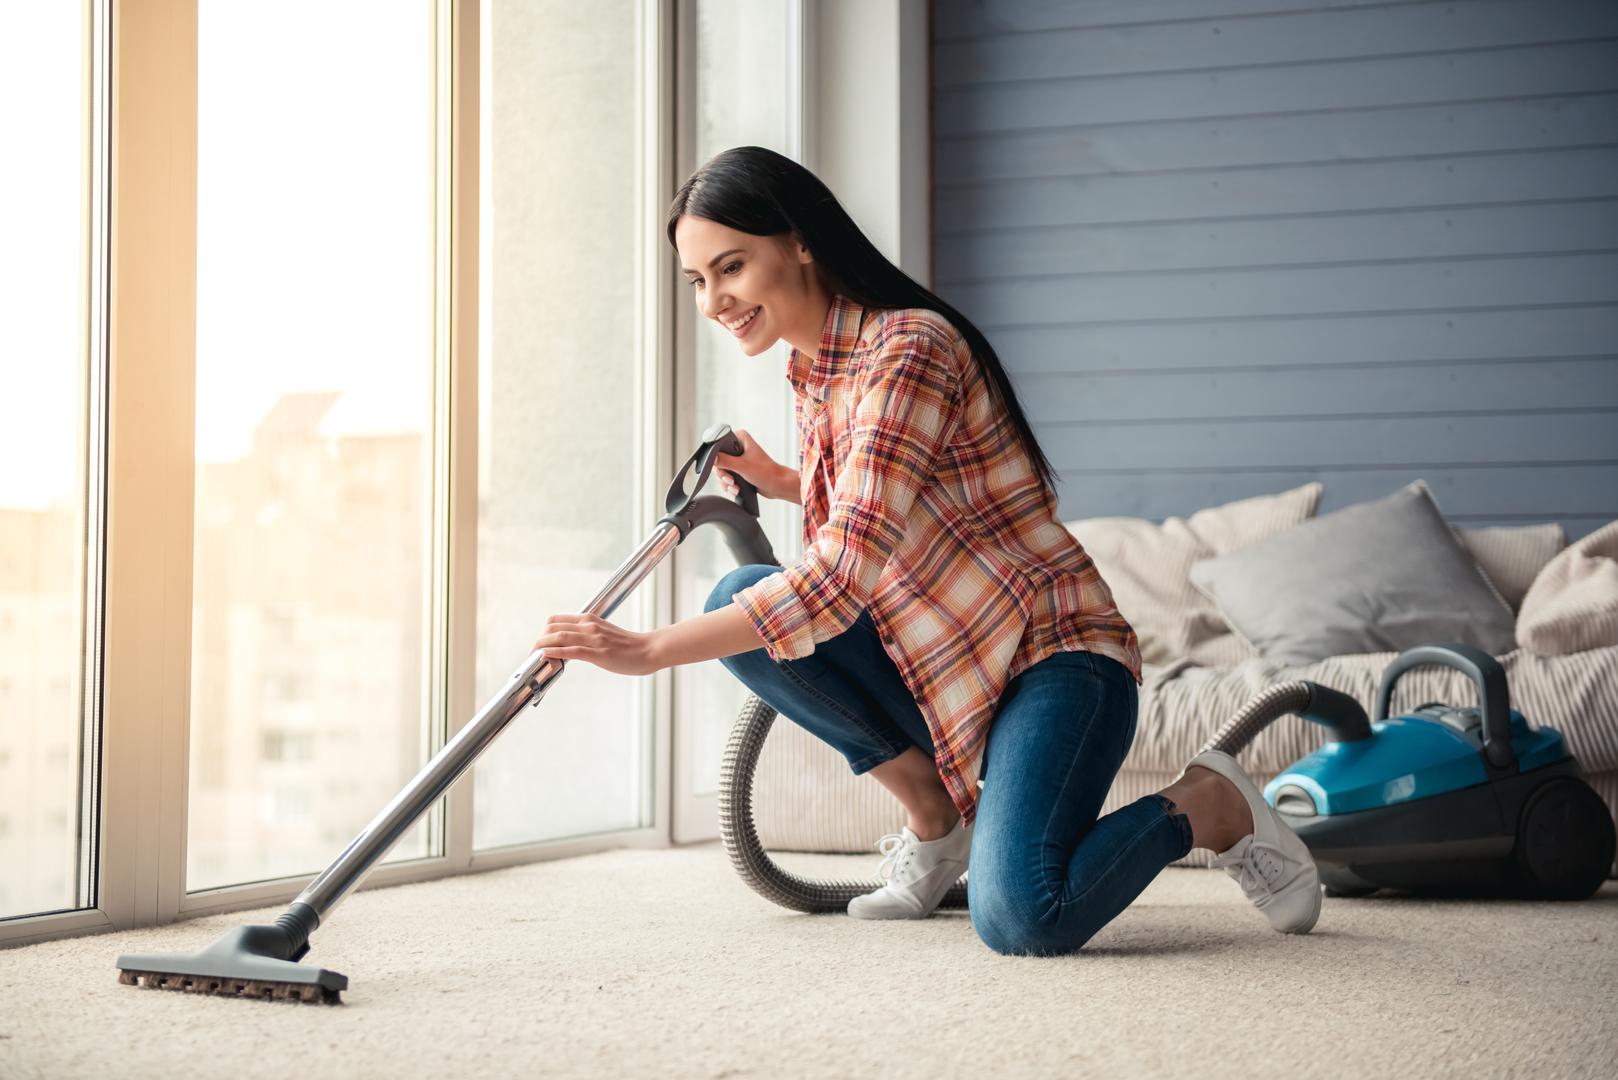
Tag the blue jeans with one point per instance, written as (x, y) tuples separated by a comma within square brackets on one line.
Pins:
[(1044, 873)]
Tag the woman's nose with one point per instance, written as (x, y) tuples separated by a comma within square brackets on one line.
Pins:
[(713, 302)]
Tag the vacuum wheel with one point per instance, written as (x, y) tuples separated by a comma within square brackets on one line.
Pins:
[(1565, 840)]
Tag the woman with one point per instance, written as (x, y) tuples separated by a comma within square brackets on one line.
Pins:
[(943, 631)]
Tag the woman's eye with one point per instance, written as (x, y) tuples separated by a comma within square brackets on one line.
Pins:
[(694, 282)]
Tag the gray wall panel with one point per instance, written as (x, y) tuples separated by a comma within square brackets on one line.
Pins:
[(1325, 87), (1534, 438), (1266, 191), (1226, 247), (1313, 41), (1551, 332), (1512, 229), (983, 19), (1432, 390), (1495, 282), (1229, 142)]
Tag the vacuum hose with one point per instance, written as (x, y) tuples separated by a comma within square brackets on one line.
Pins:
[(741, 839), (1329, 708)]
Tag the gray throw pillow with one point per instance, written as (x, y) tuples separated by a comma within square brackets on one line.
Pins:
[(1379, 576)]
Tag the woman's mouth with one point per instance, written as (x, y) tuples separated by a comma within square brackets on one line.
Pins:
[(741, 326)]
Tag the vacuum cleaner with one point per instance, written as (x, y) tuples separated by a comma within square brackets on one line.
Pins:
[(1443, 800), (1563, 822)]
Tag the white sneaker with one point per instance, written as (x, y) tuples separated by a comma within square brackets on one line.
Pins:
[(918, 872), (1271, 864)]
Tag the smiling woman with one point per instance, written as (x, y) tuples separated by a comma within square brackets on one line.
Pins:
[(943, 631)]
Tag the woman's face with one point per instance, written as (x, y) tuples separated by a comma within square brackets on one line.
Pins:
[(759, 288)]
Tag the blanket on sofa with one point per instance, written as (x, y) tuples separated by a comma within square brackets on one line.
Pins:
[(1183, 705)]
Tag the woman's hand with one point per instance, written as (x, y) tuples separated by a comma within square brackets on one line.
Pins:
[(595, 640), (773, 480)]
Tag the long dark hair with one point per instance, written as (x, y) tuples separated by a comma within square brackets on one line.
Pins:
[(762, 193)]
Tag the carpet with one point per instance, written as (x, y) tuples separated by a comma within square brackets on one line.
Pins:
[(662, 963)]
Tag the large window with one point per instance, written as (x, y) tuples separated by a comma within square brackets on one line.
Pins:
[(52, 68), (283, 500), (314, 402), (562, 341)]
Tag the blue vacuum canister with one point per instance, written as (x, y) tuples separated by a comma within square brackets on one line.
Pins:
[(1444, 799)]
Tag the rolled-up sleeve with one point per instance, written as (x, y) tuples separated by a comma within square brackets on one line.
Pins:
[(908, 403)]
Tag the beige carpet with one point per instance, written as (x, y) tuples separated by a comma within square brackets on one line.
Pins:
[(661, 963)]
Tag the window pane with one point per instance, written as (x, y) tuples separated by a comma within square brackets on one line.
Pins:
[(314, 398), (44, 103), (743, 96), (561, 501)]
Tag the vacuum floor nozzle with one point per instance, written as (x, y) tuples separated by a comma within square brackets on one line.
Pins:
[(248, 961)]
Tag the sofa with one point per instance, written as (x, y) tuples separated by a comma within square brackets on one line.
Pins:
[(1238, 597)]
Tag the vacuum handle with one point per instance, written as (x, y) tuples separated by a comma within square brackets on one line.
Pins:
[(736, 519), (1487, 675), (716, 440)]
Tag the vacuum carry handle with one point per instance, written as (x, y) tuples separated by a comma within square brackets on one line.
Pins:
[(1487, 675)]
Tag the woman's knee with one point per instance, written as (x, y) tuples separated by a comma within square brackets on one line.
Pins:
[(1019, 921), (1007, 924), (734, 582)]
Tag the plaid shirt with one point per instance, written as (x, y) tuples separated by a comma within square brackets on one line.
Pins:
[(937, 522)]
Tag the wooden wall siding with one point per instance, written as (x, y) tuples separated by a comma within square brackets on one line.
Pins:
[(1226, 247)]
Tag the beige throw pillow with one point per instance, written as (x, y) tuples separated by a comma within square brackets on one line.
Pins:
[(1573, 604), (1512, 556), (1148, 566)]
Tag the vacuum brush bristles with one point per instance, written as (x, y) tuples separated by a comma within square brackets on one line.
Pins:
[(249, 961)]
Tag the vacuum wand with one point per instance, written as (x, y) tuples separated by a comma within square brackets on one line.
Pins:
[(261, 961), (527, 686)]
